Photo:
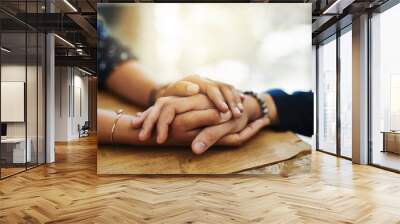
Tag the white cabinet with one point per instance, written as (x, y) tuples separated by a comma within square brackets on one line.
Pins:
[(13, 150)]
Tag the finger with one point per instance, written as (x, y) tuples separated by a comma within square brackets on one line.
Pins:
[(196, 102), (210, 135), (217, 98), (137, 120), (182, 88), (242, 96), (150, 121), (251, 130), (238, 99), (211, 89), (200, 118), (181, 137), (170, 110), (167, 115), (230, 98)]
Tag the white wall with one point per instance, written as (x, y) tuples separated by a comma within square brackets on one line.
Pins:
[(62, 81), (33, 127), (70, 83), (14, 73)]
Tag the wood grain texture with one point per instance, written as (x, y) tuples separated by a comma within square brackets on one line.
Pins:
[(70, 191), (266, 148)]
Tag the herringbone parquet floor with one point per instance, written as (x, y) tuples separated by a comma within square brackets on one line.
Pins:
[(69, 191)]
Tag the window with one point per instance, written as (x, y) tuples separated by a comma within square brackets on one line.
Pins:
[(22, 75), (385, 89), (346, 93), (327, 96)]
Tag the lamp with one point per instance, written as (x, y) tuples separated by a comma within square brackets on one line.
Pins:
[(65, 41), (70, 5), (5, 50)]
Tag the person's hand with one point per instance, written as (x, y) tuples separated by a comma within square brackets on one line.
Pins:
[(233, 132), (217, 128), (224, 96), (187, 126), (164, 111)]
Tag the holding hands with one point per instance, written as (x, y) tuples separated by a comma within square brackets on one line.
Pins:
[(202, 111), (224, 96)]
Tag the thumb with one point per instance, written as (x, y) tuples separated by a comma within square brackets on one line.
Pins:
[(209, 136), (182, 88), (244, 135)]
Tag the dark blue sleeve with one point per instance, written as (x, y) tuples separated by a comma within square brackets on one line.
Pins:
[(295, 111), (110, 53)]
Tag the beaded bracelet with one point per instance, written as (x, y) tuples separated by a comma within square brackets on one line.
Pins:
[(260, 101)]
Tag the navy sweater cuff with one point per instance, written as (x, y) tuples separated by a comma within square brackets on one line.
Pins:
[(295, 111)]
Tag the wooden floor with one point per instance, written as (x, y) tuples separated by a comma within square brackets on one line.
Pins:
[(386, 159), (69, 191)]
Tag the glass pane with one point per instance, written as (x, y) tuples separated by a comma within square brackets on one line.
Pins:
[(22, 79), (32, 86), (13, 86), (31, 98), (41, 98), (327, 97), (346, 94), (386, 89)]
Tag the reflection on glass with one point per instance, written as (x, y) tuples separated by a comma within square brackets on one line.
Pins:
[(23, 91), (41, 99), (385, 87), (346, 94), (14, 153), (31, 101), (327, 97), (394, 101)]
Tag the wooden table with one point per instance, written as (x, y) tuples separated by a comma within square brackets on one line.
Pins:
[(391, 141), (268, 152)]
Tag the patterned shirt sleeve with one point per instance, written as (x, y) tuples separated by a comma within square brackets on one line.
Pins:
[(110, 53)]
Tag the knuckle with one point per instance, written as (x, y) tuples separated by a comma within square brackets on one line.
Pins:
[(236, 93), (230, 87), (237, 141), (214, 90), (208, 136), (214, 116), (162, 100), (200, 97), (168, 106), (166, 113)]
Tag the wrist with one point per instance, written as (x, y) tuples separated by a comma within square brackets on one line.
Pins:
[(252, 108), (272, 111), (124, 133)]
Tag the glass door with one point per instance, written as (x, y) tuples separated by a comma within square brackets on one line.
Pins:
[(32, 98), (346, 93), (385, 89), (327, 96), (14, 153), (22, 77)]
